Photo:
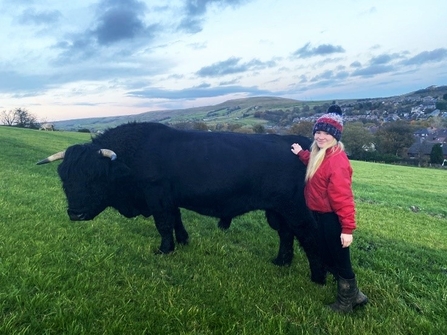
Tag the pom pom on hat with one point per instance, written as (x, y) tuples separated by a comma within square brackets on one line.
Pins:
[(334, 109), (331, 122)]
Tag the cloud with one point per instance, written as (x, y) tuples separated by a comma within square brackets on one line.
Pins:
[(386, 63), (201, 91), (342, 75), (384, 58), (322, 50), (119, 21), (195, 11), (383, 63), (117, 31), (190, 25), (303, 79), (16, 83), (231, 66), (74, 48), (32, 17), (373, 70), (433, 56), (116, 25), (325, 75)]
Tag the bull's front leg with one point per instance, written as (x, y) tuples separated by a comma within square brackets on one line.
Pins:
[(165, 222), (166, 215), (181, 235)]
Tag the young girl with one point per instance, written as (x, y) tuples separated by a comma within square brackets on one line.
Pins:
[(329, 196)]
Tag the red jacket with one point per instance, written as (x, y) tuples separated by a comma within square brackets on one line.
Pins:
[(330, 188)]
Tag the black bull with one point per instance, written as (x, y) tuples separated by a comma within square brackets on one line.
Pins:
[(152, 169)]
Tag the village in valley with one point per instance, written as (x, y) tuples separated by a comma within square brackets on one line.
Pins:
[(427, 114)]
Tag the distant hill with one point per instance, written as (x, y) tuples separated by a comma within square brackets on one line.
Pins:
[(242, 111), (228, 111)]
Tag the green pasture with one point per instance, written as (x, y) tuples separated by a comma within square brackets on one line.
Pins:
[(102, 276)]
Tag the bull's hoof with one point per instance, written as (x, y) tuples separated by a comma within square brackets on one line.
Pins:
[(334, 273), (161, 251), (183, 242), (224, 224), (182, 237), (319, 279), (282, 262)]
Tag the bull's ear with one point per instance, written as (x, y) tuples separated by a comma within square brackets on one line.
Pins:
[(119, 170)]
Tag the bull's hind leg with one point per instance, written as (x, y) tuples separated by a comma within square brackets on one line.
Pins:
[(181, 235), (306, 234), (224, 223), (285, 252)]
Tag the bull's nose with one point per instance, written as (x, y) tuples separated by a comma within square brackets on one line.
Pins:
[(76, 216)]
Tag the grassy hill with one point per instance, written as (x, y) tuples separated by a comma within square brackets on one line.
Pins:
[(239, 111), (229, 111), (102, 277)]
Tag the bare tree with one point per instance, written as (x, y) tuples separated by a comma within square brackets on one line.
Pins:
[(25, 119), (7, 118), (21, 116)]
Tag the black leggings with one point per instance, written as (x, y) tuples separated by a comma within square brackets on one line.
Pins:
[(336, 258)]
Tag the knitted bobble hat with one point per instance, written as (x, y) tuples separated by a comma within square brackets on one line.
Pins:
[(331, 122)]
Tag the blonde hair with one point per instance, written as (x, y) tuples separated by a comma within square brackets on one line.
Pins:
[(317, 156)]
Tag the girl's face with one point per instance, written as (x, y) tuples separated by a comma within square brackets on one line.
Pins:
[(323, 139)]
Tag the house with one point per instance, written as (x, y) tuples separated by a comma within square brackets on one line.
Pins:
[(421, 133), (425, 140)]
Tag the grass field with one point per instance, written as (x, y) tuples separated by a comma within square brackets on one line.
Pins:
[(102, 277)]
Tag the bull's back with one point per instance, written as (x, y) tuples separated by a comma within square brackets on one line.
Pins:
[(228, 157), (227, 174)]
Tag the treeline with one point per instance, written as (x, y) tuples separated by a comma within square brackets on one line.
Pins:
[(364, 140), (19, 117)]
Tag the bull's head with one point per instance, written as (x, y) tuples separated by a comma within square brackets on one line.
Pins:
[(90, 179)]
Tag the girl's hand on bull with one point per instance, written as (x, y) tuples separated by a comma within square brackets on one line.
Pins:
[(296, 148)]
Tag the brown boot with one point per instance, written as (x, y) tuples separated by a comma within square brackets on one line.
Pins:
[(348, 296)]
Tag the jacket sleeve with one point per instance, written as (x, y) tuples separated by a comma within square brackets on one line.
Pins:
[(341, 196), (304, 156)]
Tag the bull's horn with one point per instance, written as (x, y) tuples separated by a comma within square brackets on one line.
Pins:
[(52, 158), (108, 153)]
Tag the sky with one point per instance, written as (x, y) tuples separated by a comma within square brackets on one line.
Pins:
[(65, 60)]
